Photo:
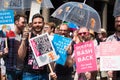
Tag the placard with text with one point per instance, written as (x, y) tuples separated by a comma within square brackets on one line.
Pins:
[(60, 44), (7, 23), (85, 57), (109, 55)]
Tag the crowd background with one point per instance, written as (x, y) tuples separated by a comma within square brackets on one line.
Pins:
[(20, 62)]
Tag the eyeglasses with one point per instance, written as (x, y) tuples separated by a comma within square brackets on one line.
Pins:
[(83, 33)]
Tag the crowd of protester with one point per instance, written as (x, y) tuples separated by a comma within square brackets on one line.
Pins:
[(20, 62)]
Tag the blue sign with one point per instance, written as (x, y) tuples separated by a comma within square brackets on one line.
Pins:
[(6, 16), (60, 43)]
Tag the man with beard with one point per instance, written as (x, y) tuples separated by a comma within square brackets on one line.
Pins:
[(13, 63), (64, 72), (31, 69), (115, 37)]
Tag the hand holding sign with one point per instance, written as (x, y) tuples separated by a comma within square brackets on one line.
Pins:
[(43, 49)]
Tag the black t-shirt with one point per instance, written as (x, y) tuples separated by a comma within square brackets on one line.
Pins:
[(63, 70)]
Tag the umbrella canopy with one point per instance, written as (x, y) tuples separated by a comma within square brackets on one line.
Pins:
[(72, 26), (25, 4), (116, 11), (80, 14)]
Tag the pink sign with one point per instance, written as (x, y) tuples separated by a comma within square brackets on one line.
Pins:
[(85, 57), (33, 43), (110, 48), (109, 53)]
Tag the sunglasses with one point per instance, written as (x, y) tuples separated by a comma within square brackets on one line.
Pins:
[(83, 33)]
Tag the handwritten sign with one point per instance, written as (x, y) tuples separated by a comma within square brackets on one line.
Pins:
[(85, 57), (109, 53), (60, 43), (43, 49)]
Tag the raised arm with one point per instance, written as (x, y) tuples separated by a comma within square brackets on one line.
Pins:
[(23, 47)]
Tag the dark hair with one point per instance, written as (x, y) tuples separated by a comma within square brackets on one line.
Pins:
[(37, 16), (17, 17)]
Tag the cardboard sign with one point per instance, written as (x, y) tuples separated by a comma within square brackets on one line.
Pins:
[(85, 57), (35, 8), (6, 23), (60, 43), (43, 49), (6, 16), (109, 55)]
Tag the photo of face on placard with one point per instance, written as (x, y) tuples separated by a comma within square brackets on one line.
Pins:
[(43, 44), (43, 49)]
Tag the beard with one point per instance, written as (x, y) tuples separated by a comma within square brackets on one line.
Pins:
[(37, 30), (117, 28)]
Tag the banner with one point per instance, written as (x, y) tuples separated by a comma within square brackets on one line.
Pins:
[(60, 43), (85, 57), (109, 55), (43, 49), (6, 23)]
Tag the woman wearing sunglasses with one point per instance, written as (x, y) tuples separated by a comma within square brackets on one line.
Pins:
[(82, 35)]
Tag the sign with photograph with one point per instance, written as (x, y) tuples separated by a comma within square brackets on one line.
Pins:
[(7, 23), (109, 53), (60, 44), (85, 57), (43, 49)]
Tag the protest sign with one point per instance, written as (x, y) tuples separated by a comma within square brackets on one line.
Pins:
[(97, 51), (85, 57), (35, 8), (43, 49), (60, 43), (109, 55), (6, 23)]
